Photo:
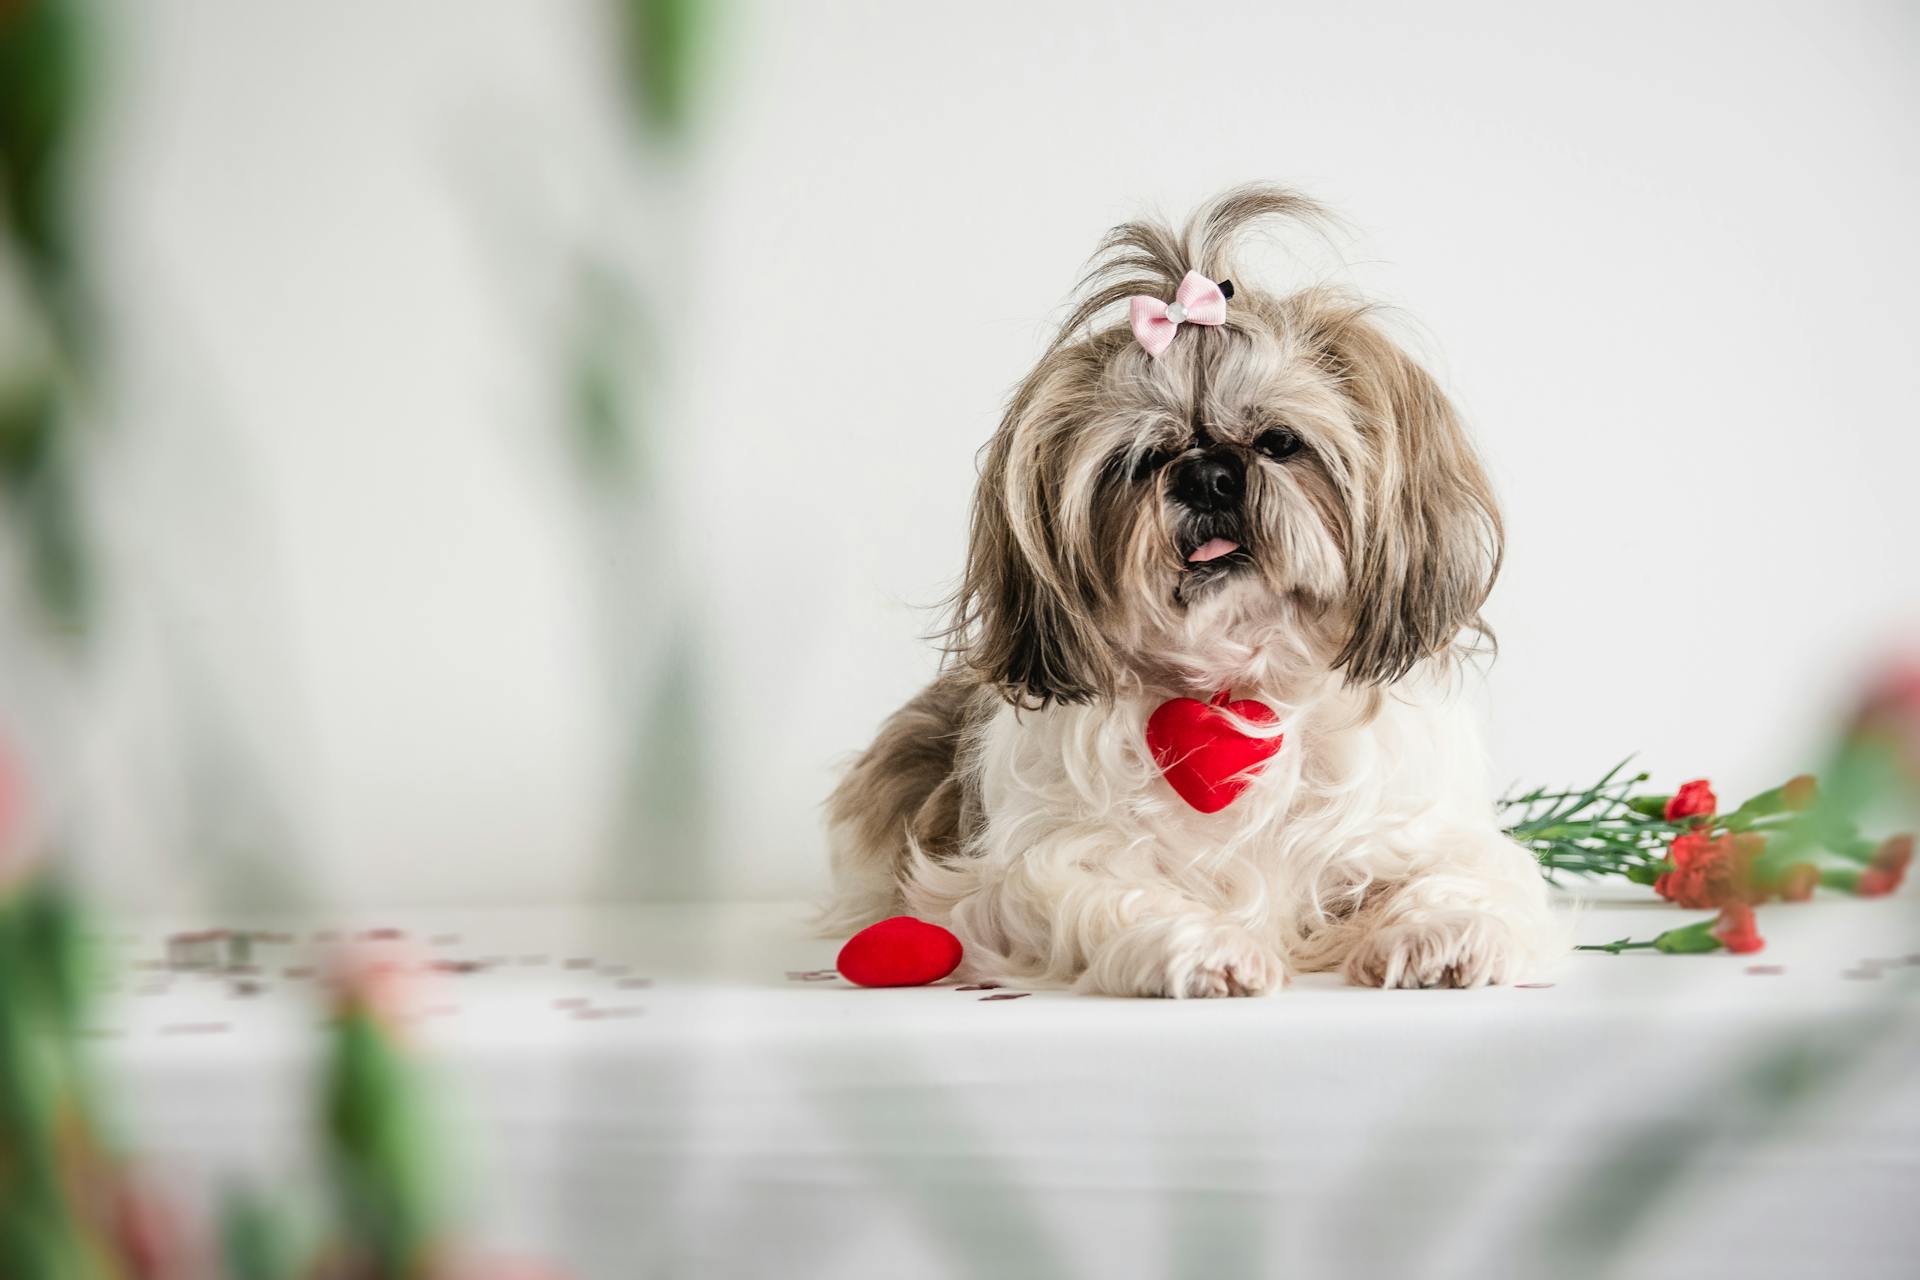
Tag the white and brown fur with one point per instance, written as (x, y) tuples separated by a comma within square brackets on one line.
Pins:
[(1015, 801)]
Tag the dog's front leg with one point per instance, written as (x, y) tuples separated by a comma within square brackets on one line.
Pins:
[(1065, 911), (1475, 913)]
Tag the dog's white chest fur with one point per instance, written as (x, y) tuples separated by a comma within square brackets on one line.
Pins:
[(1084, 841)]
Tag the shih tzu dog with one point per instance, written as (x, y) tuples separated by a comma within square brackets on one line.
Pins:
[(1200, 725)]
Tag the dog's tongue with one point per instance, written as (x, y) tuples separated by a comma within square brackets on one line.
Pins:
[(1212, 549)]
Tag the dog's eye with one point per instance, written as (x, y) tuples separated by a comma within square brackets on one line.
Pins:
[(1278, 442), (1150, 462)]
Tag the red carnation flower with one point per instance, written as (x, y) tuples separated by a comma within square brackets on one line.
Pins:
[(1877, 882), (1887, 869), (1736, 929), (1709, 870), (1693, 800)]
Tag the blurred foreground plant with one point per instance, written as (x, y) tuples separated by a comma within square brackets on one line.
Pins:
[(58, 1185), (45, 370), (72, 1207)]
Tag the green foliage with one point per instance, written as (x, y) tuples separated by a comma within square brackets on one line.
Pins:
[(381, 1156), (1692, 939), (258, 1241), (46, 1137), (661, 43), (1603, 829), (604, 411), (41, 86), (1607, 829)]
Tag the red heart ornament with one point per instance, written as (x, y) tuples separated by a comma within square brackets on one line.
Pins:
[(900, 951), (1205, 758)]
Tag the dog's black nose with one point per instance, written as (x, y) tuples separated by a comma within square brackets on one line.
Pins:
[(1210, 482)]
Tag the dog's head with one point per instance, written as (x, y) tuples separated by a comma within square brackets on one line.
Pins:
[(1287, 477)]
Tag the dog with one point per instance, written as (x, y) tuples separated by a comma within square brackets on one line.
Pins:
[(1253, 513)]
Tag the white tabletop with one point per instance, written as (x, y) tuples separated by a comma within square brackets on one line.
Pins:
[(676, 1091)]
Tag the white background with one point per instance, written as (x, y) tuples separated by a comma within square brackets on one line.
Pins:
[(1661, 255)]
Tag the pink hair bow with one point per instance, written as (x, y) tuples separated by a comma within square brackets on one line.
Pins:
[(1198, 300)]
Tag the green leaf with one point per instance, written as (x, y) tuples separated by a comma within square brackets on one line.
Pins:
[(258, 1240), (41, 86), (382, 1155), (1693, 939), (1650, 806), (662, 41)]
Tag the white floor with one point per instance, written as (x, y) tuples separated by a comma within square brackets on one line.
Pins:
[(665, 1092)]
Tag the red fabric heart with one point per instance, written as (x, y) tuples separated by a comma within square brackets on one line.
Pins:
[(1204, 757), (899, 952)]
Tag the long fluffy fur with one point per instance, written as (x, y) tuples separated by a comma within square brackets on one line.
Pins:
[(1015, 799)]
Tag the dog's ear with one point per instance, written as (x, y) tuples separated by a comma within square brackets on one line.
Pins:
[(1024, 616), (1429, 542)]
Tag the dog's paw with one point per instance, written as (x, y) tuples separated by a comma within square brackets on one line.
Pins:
[(1233, 964), (1461, 948), (1189, 961)]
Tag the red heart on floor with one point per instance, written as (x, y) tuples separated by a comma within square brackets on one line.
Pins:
[(900, 951), (1205, 758)]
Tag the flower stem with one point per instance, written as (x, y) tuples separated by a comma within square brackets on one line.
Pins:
[(1615, 947)]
